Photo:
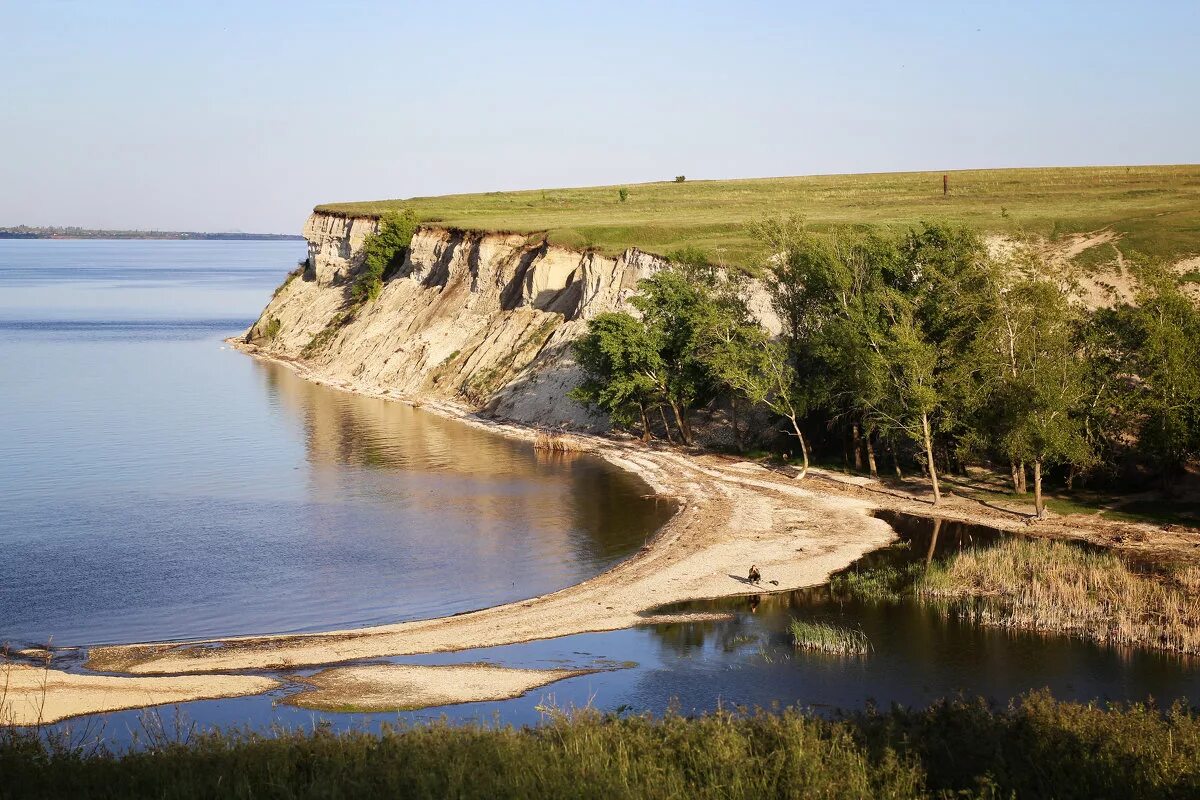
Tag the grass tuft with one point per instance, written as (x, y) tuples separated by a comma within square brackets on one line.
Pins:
[(1057, 587), (825, 638), (557, 443)]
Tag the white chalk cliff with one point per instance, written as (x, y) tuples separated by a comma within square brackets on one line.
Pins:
[(483, 318)]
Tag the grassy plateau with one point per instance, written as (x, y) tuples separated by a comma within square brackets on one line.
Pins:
[(1155, 209)]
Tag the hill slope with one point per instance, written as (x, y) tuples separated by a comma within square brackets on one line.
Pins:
[(1152, 210)]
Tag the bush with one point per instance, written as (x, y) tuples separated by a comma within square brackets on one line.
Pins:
[(383, 252), (680, 178), (623, 194)]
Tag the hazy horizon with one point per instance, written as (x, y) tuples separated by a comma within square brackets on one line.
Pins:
[(213, 117)]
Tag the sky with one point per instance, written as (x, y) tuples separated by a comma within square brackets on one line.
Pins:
[(242, 116)]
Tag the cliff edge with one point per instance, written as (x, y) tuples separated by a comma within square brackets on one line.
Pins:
[(481, 318)]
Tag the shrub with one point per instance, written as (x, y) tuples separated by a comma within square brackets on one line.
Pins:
[(291, 276), (383, 252), (680, 178), (623, 194)]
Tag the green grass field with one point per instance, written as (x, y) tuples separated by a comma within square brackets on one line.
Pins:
[(1155, 209)]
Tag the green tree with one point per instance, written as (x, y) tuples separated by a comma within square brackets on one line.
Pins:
[(750, 363), (1157, 344), (1044, 399), (620, 363), (383, 252), (906, 362), (675, 312)]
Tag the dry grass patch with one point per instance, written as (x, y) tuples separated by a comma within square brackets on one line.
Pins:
[(557, 443), (1062, 588)]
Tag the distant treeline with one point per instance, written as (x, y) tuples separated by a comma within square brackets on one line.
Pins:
[(31, 232)]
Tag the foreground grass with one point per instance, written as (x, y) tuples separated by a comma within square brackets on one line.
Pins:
[(1037, 748), (1054, 587), (1155, 209)]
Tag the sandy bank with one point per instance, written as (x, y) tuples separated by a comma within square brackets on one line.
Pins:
[(31, 695), (402, 687)]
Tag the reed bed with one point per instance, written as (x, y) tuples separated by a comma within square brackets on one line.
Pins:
[(557, 443), (1061, 588), (825, 638)]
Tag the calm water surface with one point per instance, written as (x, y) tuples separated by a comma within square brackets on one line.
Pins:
[(154, 483)]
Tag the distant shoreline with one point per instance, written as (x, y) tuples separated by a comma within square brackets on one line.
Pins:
[(29, 232)]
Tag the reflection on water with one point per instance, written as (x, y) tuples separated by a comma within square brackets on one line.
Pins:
[(157, 484)]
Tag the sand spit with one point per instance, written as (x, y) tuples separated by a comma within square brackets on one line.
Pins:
[(728, 518), (32, 695), (406, 687)]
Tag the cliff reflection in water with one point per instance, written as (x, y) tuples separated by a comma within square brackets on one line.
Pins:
[(542, 520)]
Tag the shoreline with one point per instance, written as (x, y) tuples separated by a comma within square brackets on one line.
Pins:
[(730, 513)]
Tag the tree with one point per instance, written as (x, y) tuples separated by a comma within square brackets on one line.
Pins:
[(749, 362), (1157, 351), (674, 311), (1045, 396), (907, 362), (619, 360)]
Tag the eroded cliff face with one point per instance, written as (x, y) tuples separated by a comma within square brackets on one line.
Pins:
[(485, 318)]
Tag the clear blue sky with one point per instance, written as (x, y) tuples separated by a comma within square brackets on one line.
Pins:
[(216, 115)]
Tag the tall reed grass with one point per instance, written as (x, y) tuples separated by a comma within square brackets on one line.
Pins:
[(825, 638), (1058, 587), (557, 443)]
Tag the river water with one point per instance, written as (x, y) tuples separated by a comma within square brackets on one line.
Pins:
[(155, 485)]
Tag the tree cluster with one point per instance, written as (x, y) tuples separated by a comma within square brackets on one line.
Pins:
[(922, 346)]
